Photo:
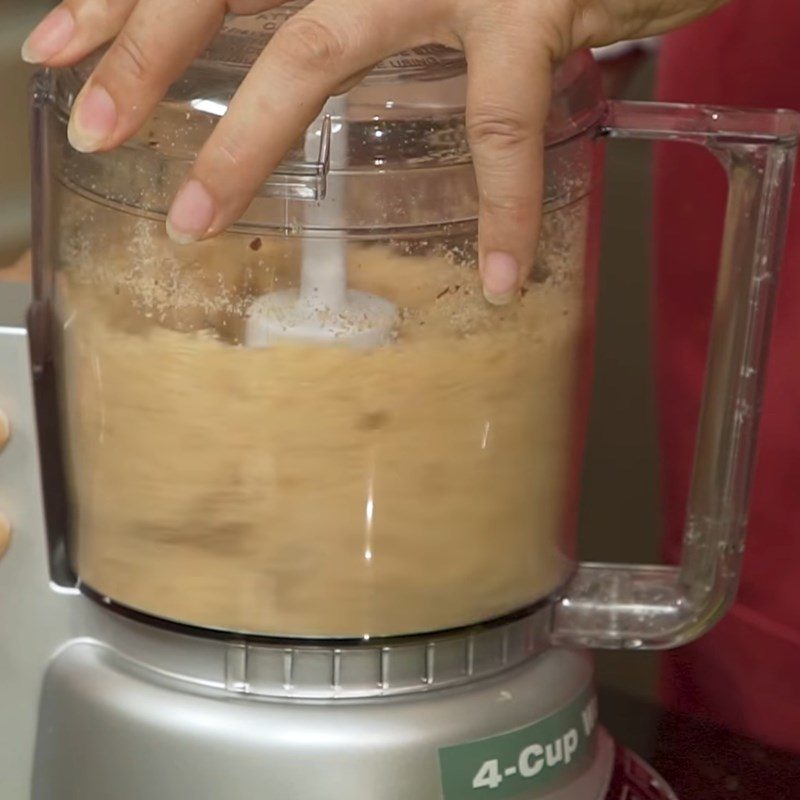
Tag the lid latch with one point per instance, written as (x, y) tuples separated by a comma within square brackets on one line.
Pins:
[(303, 180)]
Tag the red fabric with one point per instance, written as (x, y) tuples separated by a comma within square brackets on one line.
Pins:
[(746, 673)]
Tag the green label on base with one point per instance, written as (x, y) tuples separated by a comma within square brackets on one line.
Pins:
[(530, 760)]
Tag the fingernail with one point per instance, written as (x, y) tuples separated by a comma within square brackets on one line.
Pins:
[(191, 214), (49, 37), (93, 119), (500, 278)]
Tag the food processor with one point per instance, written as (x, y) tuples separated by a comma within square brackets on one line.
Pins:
[(292, 511)]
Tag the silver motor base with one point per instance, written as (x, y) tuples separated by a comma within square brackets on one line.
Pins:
[(113, 729)]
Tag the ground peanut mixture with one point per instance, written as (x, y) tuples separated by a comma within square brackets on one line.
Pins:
[(312, 490)]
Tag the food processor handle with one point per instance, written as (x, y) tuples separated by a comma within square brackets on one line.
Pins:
[(657, 607)]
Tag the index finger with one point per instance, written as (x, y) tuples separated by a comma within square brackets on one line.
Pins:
[(308, 59)]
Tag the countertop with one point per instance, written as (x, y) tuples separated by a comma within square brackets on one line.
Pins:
[(700, 761)]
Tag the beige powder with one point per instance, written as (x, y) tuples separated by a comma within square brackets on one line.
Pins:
[(320, 491)]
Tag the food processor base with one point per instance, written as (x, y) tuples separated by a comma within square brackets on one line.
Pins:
[(133, 710)]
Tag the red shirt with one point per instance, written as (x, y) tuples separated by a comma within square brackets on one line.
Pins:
[(745, 674)]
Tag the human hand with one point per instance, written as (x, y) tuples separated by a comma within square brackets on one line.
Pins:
[(18, 272), (511, 47)]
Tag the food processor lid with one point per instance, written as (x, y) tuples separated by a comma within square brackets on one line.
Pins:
[(242, 39), (412, 87), (392, 152)]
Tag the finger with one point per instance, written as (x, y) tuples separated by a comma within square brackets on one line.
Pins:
[(73, 29), (308, 60), (352, 81), (18, 272), (157, 43), (507, 106), (605, 23)]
